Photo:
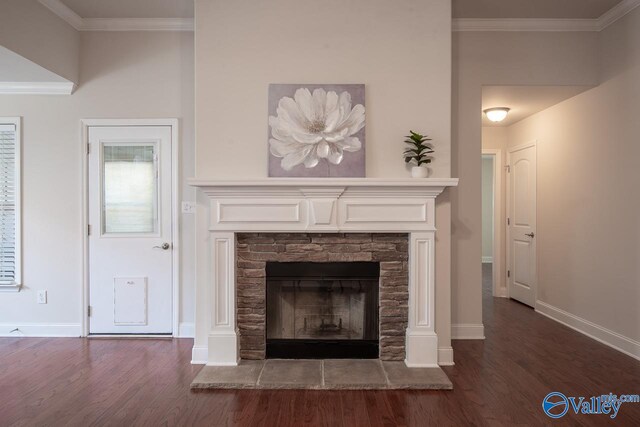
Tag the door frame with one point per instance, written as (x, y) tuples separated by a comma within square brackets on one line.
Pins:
[(85, 124), (532, 143), (500, 289)]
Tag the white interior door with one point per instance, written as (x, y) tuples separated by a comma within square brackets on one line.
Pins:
[(130, 242), (522, 224)]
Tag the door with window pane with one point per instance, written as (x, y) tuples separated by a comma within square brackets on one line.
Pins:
[(130, 242)]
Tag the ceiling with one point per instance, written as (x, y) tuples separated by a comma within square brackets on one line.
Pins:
[(131, 8), (548, 9), (524, 101)]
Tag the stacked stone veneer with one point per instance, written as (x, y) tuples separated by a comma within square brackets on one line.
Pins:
[(254, 250)]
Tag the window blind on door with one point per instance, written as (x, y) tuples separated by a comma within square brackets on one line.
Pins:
[(9, 204)]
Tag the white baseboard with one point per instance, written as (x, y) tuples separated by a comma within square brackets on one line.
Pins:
[(487, 259), (40, 330), (445, 356), (199, 355), (606, 336), (186, 330), (467, 331)]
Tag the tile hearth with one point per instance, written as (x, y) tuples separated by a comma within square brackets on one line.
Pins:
[(330, 374)]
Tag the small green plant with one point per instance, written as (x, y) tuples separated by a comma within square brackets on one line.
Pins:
[(418, 150)]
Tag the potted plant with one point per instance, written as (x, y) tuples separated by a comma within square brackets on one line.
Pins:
[(417, 152)]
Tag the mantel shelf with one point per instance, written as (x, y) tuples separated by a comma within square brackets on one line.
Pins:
[(326, 182)]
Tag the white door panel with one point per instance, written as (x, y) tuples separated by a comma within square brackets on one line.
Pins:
[(522, 219), (130, 272)]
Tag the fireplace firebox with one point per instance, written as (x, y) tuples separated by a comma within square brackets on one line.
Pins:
[(322, 310)]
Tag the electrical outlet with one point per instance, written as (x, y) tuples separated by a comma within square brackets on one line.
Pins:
[(188, 207), (42, 297)]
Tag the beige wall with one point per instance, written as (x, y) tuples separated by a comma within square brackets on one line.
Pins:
[(123, 75), (487, 208), (588, 227), (496, 58), (402, 55), (36, 33)]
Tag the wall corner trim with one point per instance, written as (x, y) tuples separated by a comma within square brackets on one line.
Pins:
[(619, 342), (199, 355), (467, 331), (445, 356)]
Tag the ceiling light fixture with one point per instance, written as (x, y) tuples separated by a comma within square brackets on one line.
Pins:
[(496, 114)]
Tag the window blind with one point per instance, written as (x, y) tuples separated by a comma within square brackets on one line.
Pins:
[(8, 204)]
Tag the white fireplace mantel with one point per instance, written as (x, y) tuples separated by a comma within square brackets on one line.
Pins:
[(312, 205)]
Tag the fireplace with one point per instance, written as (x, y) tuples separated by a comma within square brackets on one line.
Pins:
[(322, 310), (245, 224)]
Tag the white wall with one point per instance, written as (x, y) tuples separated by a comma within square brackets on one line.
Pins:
[(401, 53), (123, 75), (497, 58), (487, 208), (588, 198), (34, 32)]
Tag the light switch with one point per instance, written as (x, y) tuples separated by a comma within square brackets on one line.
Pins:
[(42, 297)]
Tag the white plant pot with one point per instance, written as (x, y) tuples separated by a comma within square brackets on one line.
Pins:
[(419, 172)]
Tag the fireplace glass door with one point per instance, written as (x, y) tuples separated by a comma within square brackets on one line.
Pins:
[(322, 310)]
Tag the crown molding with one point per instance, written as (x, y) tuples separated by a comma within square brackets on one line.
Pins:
[(616, 12), (117, 24), (524, 24), (535, 24), (138, 24), (64, 12), (36, 88)]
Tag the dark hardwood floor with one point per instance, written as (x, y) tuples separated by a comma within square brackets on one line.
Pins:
[(499, 381)]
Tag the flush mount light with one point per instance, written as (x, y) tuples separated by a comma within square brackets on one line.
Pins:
[(496, 114)]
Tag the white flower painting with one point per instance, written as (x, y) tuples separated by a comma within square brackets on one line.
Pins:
[(316, 130)]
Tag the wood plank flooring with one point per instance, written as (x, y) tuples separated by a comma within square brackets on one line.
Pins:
[(499, 381)]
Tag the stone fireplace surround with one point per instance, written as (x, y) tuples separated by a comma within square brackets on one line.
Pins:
[(254, 250), (326, 205)]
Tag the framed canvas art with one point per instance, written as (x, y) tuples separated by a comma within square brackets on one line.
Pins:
[(316, 130)]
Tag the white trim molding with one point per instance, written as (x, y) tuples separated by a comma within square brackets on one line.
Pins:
[(445, 356), (467, 331), (40, 329), (616, 12), (137, 24), (524, 24), (540, 24), (117, 24), (619, 342), (36, 88)]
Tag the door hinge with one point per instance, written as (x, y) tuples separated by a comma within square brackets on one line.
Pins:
[(508, 168), (88, 229), (508, 273), (88, 148), (508, 221), (89, 311)]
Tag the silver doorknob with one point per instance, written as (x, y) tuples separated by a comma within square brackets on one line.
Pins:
[(530, 235), (164, 246)]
